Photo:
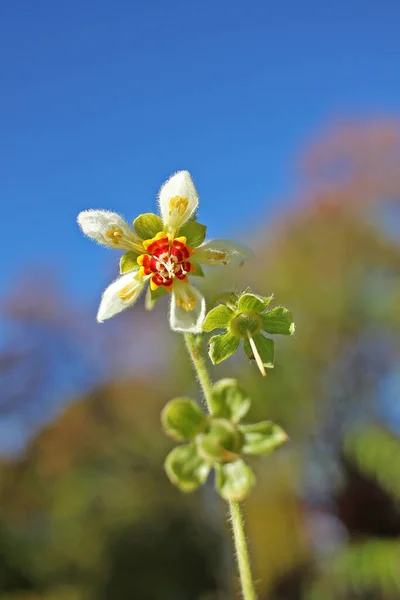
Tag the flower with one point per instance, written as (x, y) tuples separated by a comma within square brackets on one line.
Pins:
[(245, 318), (217, 441), (162, 251)]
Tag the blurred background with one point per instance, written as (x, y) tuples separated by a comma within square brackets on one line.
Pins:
[(288, 117)]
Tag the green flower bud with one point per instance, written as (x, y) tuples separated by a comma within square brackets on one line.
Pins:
[(221, 443), (235, 480), (183, 419)]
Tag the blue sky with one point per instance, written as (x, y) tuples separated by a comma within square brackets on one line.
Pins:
[(101, 101)]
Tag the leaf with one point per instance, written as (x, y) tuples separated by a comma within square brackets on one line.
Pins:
[(265, 348), (253, 303), (185, 468), (194, 233), (199, 270), (235, 480), (183, 419), (128, 262), (217, 318), (262, 438), (153, 296), (278, 321), (229, 401), (222, 347), (148, 225)]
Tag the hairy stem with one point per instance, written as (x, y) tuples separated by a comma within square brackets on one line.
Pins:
[(194, 346), (242, 553)]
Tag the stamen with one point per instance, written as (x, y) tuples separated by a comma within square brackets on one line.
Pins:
[(114, 234), (187, 300), (178, 205), (215, 255), (126, 293), (166, 261)]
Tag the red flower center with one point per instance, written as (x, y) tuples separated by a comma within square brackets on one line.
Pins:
[(165, 260)]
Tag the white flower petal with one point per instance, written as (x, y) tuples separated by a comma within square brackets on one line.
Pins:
[(178, 200), (188, 308), (123, 292), (221, 252), (109, 229)]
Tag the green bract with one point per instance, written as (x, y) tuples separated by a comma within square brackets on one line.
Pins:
[(194, 233), (244, 318), (216, 441), (128, 262), (148, 225)]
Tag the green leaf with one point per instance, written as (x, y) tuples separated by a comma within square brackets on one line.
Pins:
[(185, 468), (222, 347), (234, 481), (199, 270), (148, 225), (194, 233), (217, 318), (262, 438), (265, 348), (278, 321), (128, 262), (253, 303), (183, 419), (153, 296), (229, 401)]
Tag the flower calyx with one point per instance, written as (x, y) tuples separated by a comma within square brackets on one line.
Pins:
[(246, 318), (217, 441)]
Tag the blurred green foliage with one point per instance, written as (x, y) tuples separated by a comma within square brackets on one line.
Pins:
[(86, 510)]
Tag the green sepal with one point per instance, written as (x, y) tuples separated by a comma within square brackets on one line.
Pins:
[(262, 438), (183, 419), (153, 296), (278, 321), (228, 298), (234, 481), (229, 401), (194, 233), (265, 347), (217, 318), (221, 443), (222, 347), (253, 303), (199, 270), (128, 262), (185, 468), (148, 225)]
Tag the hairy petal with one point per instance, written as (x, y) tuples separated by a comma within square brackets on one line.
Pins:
[(109, 229), (221, 253), (178, 200), (123, 292), (188, 308)]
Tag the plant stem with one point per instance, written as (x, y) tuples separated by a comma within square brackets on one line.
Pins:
[(242, 553), (193, 344)]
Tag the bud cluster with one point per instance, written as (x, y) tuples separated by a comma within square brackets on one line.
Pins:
[(217, 441)]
